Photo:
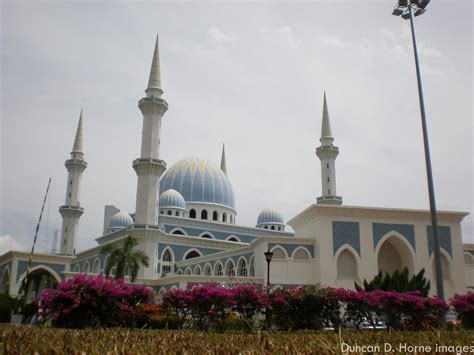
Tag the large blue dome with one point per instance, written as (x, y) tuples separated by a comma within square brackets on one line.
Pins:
[(199, 181)]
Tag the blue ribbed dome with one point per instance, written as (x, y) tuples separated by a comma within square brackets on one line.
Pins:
[(172, 199), (270, 216), (199, 181), (121, 220)]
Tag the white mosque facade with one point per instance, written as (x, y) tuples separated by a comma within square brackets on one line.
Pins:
[(186, 222)]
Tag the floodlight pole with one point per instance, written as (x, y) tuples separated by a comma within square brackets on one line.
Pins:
[(429, 173)]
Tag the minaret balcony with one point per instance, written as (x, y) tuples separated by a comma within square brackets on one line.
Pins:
[(71, 211), (153, 104), (328, 151), (149, 166), (78, 164)]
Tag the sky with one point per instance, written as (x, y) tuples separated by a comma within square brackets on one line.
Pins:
[(250, 74)]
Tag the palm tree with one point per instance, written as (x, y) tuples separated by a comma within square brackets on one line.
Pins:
[(123, 258)]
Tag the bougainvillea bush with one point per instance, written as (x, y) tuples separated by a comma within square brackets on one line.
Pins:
[(464, 307), (92, 301)]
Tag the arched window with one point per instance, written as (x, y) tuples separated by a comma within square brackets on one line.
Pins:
[(242, 268), (96, 267), (278, 254), (192, 254), (301, 254), (266, 227), (444, 267), (178, 231), (215, 217), (176, 213), (170, 213), (218, 269), (204, 214), (389, 258), (346, 265), (166, 261), (230, 269), (251, 268), (86, 269), (188, 271), (77, 268), (207, 270), (224, 217), (197, 270), (272, 228), (206, 236), (233, 239), (192, 213)]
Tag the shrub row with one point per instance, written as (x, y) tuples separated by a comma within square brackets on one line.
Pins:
[(308, 307), (97, 301)]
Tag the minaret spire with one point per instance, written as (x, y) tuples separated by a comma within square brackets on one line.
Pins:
[(223, 161), (154, 81), (327, 154), (149, 167), (71, 211), (77, 147)]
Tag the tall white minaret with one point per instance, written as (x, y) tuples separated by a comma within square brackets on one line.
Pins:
[(72, 210), (223, 161), (149, 167), (327, 153)]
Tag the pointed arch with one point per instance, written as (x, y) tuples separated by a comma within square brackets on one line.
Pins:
[(242, 269), (394, 252), (230, 268), (178, 231), (207, 270), (192, 253), (218, 269), (252, 267), (197, 270), (347, 265), (445, 265), (96, 266), (468, 259), (86, 268), (77, 268), (167, 260), (279, 253), (204, 214), (188, 271), (301, 253), (207, 235), (233, 238)]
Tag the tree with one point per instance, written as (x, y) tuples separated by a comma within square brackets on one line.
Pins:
[(398, 281), (123, 258)]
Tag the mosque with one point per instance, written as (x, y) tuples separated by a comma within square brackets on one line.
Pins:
[(186, 222)]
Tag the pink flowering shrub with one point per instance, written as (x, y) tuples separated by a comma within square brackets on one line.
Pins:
[(92, 301), (464, 307), (248, 301)]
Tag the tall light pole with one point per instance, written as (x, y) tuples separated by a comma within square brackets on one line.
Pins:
[(268, 257), (407, 9)]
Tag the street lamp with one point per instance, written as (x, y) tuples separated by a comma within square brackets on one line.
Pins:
[(406, 9), (268, 256)]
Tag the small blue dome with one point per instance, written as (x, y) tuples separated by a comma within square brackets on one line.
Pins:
[(199, 181), (172, 199), (270, 216), (121, 220)]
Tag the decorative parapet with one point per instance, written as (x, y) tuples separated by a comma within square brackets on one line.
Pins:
[(71, 211), (75, 164)]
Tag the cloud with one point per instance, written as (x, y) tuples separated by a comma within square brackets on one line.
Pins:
[(282, 34), (7, 243), (218, 36)]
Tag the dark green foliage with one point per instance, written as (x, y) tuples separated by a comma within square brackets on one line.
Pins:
[(124, 258), (7, 305), (398, 281)]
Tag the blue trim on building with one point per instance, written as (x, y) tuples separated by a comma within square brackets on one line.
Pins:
[(196, 232), (345, 233), (444, 239), (379, 230), (23, 265), (180, 250)]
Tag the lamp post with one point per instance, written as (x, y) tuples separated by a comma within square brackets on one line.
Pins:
[(407, 9), (268, 256)]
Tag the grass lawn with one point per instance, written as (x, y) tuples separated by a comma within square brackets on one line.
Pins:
[(42, 340)]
